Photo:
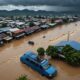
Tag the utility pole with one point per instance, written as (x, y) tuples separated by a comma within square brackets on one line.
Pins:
[(68, 37)]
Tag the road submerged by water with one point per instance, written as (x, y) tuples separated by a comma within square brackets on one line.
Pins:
[(11, 67)]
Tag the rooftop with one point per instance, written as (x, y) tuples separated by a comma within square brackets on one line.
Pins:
[(73, 44), (14, 29)]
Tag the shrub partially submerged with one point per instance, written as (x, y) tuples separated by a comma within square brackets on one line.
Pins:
[(23, 77)]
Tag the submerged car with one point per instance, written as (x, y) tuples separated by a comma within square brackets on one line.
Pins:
[(40, 65), (31, 42)]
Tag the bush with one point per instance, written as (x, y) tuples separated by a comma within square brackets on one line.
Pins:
[(74, 59), (24, 77), (52, 51), (41, 51)]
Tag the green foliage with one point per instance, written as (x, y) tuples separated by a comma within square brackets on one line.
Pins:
[(41, 51), (74, 59), (52, 51), (24, 77), (31, 24), (68, 49), (72, 56)]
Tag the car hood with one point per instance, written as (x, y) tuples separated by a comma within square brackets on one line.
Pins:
[(51, 70)]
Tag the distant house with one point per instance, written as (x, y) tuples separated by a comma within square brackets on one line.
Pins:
[(29, 30), (16, 33), (44, 26), (58, 21), (52, 24), (4, 36), (15, 24), (37, 23), (43, 21)]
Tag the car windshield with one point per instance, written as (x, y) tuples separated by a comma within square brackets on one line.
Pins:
[(46, 66)]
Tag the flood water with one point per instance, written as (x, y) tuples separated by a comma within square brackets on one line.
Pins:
[(11, 67)]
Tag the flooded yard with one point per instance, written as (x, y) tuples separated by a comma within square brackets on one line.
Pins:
[(11, 67)]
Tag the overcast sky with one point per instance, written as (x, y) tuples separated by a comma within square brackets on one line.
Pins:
[(42, 5), (46, 2)]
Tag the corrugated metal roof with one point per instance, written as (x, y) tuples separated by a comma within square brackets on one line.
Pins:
[(74, 44)]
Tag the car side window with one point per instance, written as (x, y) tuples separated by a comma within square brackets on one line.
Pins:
[(32, 62), (41, 67), (27, 59)]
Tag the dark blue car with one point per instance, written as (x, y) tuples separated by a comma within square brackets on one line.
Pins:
[(40, 65)]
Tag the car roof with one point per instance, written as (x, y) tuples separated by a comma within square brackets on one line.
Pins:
[(30, 55), (34, 57)]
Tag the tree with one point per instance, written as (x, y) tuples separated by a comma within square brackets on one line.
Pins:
[(72, 56), (74, 59), (52, 51), (24, 77), (31, 24), (41, 51), (68, 49)]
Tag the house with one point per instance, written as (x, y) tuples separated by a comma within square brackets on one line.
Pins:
[(44, 26), (16, 33), (52, 24), (58, 21), (74, 44), (5, 36), (37, 23), (29, 30)]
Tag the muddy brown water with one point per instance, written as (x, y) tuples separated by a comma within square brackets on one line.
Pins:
[(11, 67)]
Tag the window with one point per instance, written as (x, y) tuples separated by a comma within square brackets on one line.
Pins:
[(27, 59), (41, 67)]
